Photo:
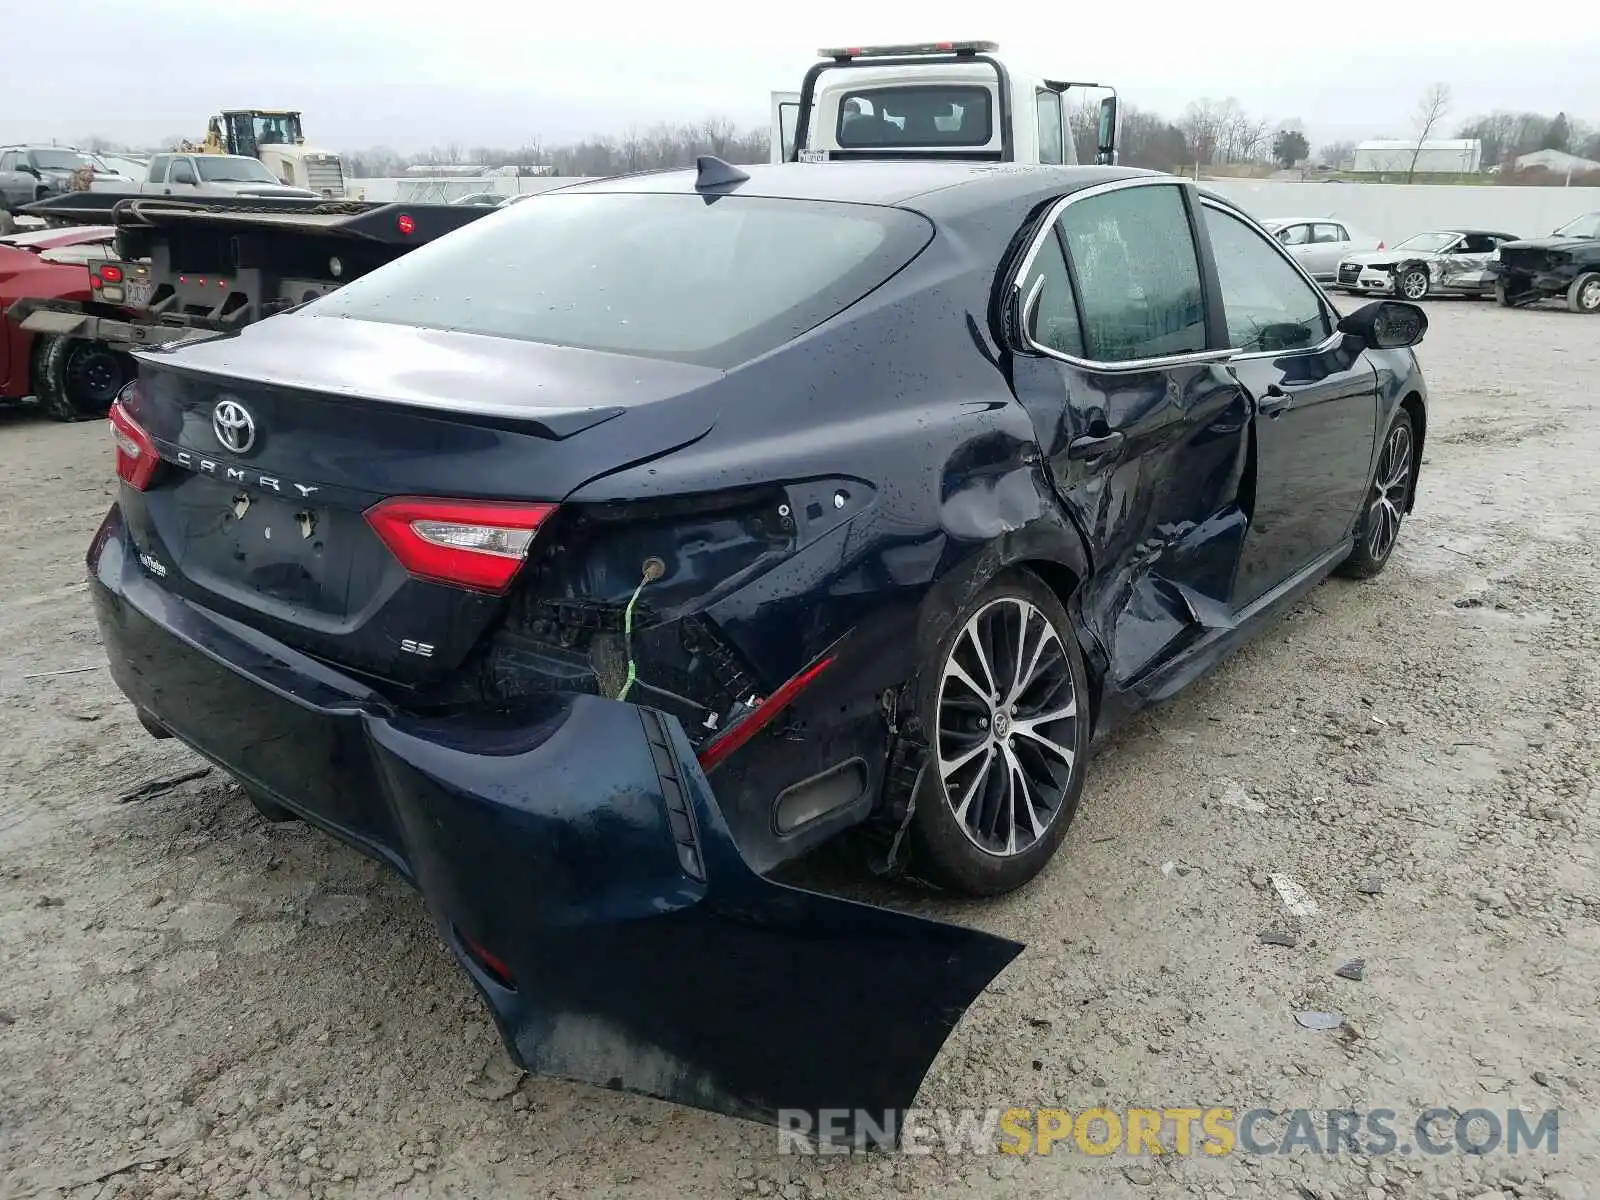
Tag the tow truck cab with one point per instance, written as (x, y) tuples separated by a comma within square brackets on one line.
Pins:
[(931, 100)]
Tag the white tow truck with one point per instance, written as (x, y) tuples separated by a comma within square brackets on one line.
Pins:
[(925, 100)]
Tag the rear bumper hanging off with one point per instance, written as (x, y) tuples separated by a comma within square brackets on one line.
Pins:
[(575, 860)]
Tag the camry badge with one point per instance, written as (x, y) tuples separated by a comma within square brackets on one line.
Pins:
[(234, 426)]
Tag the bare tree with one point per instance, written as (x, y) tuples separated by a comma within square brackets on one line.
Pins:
[(1431, 110), (1336, 154)]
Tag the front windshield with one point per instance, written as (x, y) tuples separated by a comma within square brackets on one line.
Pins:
[(1428, 241), (58, 160), (1583, 227), (233, 169)]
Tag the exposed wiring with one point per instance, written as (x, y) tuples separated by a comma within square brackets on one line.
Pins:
[(654, 569)]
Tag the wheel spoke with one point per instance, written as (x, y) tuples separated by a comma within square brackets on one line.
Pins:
[(1026, 677), (954, 670), (948, 767), (977, 782), (983, 662), (1019, 780)]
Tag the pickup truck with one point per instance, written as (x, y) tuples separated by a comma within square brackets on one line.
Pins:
[(29, 173), (184, 175)]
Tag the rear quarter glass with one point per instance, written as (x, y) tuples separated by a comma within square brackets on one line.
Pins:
[(713, 282)]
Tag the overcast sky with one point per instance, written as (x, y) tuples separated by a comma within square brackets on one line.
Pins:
[(498, 72)]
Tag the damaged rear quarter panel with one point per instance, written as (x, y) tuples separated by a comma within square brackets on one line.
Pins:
[(951, 491)]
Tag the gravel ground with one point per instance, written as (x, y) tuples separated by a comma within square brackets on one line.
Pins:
[(193, 1002)]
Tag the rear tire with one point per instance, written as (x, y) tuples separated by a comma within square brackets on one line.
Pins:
[(1388, 497), (1007, 761), (1584, 294), (76, 379)]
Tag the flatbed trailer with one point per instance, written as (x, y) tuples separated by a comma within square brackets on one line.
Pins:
[(189, 268)]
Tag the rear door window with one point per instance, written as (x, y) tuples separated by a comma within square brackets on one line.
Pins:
[(1138, 275), (1053, 312), (659, 275)]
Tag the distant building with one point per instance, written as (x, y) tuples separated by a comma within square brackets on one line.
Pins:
[(1557, 162), (1443, 156)]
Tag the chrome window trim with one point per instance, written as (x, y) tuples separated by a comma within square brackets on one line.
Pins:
[(1047, 230), (1328, 310)]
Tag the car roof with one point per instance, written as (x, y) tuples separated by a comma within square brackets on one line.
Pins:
[(1300, 220), (939, 188)]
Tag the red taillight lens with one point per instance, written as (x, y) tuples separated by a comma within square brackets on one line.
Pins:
[(111, 273), (469, 543), (405, 224), (137, 459), (740, 732)]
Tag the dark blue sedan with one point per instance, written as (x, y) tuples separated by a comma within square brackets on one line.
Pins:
[(590, 563)]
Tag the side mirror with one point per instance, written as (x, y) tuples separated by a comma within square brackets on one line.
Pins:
[(1386, 324), (1106, 137)]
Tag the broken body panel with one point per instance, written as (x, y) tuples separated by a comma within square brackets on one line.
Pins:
[(768, 543)]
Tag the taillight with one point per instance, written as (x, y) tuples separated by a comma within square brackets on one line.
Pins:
[(1381, 246), (469, 543), (136, 453), (110, 273)]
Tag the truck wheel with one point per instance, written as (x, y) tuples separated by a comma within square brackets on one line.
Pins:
[(1505, 297), (1584, 294), (76, 379)]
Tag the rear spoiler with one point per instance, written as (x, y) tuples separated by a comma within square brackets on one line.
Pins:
[(371, 220)]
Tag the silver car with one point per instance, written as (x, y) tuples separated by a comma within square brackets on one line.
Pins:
[(1440, 262), (1319, 244)]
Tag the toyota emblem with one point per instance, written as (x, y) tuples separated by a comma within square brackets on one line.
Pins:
[(234, 426)]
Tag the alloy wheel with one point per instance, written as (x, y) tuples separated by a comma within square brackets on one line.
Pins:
[(1389, 490), (1589, 296), (1414, 285), (1008, 711)]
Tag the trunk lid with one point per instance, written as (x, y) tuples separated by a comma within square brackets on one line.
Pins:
[(277, 440)]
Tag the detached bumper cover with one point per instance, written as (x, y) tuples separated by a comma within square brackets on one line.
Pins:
[(576, 862)]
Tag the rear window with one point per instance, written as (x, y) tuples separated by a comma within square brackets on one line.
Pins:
[(915, 116), (709, 281)]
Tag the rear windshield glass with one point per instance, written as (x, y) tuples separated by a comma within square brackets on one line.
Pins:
[(915, 116), (713, 282)]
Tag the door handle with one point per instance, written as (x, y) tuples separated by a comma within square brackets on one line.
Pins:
[(1273, 401), (1095, 446)]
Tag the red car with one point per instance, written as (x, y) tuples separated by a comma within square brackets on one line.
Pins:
[(72, 379)]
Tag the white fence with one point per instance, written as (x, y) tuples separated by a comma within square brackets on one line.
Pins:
[(1393, 211)]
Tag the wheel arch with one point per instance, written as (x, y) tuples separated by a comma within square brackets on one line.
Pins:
[(1051, 549), (1411, 403)]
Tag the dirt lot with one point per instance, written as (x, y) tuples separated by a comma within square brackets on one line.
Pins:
[(193, 1002)]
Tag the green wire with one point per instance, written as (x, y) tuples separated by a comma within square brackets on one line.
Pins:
[(627, 637)]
